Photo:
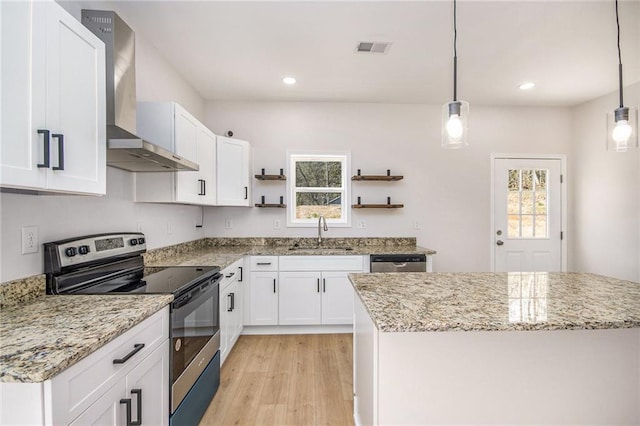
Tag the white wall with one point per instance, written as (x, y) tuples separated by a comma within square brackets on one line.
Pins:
[(60, 217), (605, 188), (446, 191)]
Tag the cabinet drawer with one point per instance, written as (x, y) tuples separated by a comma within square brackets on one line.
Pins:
[(76, 388), (321, 263), (264, 263), (230, 274)]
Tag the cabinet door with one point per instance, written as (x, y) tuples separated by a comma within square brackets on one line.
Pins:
[(337, 298), (21, 148), (263, 298), (236, 313), (225, 322), (151, 377), (232, 172), (206, 161), (299, 298), (75, 104), (186, 144), (107, 410)]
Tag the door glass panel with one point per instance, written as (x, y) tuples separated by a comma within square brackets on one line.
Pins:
[(527, 203)]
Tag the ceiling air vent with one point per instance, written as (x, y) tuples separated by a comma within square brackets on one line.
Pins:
[(373, 47)]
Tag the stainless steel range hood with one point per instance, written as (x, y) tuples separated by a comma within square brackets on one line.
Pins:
[(125, 150)]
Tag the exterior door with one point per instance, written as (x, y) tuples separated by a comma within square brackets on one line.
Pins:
[(527, 204)]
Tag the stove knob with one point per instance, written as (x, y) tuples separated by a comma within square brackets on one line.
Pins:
[(70, 251), (133, 241), (140, 240), (83, 249)]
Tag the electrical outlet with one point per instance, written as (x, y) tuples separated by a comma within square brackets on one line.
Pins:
[(29, 239), (362, 224), (169, 228), (276, 223), (228, 224), (416, 224)]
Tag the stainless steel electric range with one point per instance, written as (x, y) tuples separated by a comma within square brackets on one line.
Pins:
[(113, 264)]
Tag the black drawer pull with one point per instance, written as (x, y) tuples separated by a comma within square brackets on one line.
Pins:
[(263, 263), (46, 148), (230, 275), (318, 285), (136, 348), (246, 192), (240, 268), (60, 138), (274, 285), (127, 403)]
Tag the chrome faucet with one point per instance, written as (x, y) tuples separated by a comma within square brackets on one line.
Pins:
[(321, 219)]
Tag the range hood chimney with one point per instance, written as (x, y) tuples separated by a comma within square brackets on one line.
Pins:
[(125, 150)]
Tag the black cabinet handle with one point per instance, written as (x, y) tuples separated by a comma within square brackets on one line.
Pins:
[(233, 301), (263, 263), (246, 192), (136, 348), (204, 187), (324, 285), (200, 185), (230, 275), (60, 151), (229, 302), (46, 148), (127, 403), (138, 393), (240, 279), (318, 285), (274, 285)]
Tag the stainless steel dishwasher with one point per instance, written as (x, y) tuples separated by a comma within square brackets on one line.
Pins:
[(398, 263)]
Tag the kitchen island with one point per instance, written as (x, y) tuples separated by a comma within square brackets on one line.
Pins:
[(496, 348)]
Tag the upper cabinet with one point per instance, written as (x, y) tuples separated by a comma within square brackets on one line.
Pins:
[(53, 120), (169, 125), (233, 167)]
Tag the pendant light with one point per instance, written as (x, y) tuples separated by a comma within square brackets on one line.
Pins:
[(622, 123), (456, 112)]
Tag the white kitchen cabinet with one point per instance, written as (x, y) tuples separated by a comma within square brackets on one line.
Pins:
[(300, 298), (262, 298), (231, 307), (233, 172), (53, 95), (172, 127), (311, 298), (90, 391)]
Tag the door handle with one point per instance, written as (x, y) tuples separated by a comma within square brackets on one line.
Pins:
[(45, 164), (318, 285), (200, 182), (127, 403), (60, 138), (499, 242), (229, 302), (274, 285), (240, 279), (324, 285), (246, 192)]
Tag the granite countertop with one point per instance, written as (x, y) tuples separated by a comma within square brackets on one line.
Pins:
[(223, 252), (415, 302), (45, 336)]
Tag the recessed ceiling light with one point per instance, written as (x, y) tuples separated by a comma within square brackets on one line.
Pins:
[(289, 80), (527, 85)]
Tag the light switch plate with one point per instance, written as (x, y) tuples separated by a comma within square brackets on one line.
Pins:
[(30, 241), (228, 224)]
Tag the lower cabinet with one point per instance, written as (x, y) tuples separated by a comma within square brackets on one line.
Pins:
[(231, 307), (124, 382), (311, 298), (263, 298)]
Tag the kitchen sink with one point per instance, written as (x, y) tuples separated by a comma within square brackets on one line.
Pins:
[(321, 249)]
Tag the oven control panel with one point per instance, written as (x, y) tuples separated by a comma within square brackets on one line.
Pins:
[(91, 248)]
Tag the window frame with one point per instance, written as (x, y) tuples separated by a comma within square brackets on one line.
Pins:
[(343, 157)]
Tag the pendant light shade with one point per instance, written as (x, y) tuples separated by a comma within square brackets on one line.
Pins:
[(455, 113), (622, 124)]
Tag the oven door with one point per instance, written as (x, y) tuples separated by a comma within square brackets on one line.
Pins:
[(195, 335)]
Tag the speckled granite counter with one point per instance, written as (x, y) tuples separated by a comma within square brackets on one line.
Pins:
[(223, 252), (41, 338), (412, 302)]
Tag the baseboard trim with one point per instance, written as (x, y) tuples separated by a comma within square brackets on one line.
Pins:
[(297, 329)]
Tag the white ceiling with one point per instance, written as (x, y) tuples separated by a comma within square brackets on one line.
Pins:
[(237, 50)]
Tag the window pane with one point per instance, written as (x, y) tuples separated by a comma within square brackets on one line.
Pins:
[(514, 225), (527, 226), (541, 180), (527, 202), (541, 202), (311, 205), (318, 174), (527, 180), (541, 226), (513, 202)]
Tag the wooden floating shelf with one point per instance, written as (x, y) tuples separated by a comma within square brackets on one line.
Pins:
[(377, 206), (281, 206), (377, 177), (271, 177)]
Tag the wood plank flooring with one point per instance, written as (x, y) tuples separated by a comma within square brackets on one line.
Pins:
[(286, 380)]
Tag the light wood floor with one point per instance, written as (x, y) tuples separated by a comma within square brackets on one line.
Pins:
[(286, 380)]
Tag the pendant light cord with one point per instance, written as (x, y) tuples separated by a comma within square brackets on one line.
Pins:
[(455, 52), (619, 56)]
